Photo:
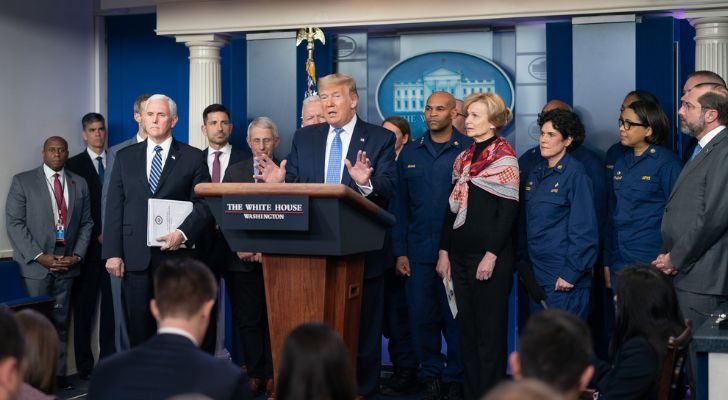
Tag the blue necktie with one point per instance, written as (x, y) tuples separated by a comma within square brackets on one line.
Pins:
[(333, 172), (100, 160), (156, 170), (696, 150)]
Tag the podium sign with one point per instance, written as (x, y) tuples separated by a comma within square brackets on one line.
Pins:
[(280, 213)]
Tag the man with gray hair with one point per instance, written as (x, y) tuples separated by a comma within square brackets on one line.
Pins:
[(244, 274), (312, 112), (158, 168)]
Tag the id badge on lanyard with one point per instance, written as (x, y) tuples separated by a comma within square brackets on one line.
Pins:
[(60, 232)]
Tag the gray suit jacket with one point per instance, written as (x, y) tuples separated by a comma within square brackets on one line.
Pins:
[(695, 224), (31, 223)]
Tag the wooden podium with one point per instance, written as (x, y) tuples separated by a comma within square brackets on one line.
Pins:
[(314, 274)]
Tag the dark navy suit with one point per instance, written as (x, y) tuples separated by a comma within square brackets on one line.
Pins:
[(94, 279), (641, 187), (125, 226), (425, 183), (562, 231), (167, 365), (306, 164)]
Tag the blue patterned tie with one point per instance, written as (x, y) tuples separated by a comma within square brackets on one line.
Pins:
[(333, 172), (100, 160), (696, 150), (156, 170)]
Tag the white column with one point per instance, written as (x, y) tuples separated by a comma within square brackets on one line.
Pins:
[(205, 84), (711, 40)]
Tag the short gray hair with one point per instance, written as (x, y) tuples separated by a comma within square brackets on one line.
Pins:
[(264, 123), (172, 104)]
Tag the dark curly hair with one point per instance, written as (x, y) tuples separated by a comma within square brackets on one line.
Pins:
[(568, 124)]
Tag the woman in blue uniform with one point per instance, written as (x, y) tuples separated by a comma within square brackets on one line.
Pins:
[(562, 231), (642, 180)]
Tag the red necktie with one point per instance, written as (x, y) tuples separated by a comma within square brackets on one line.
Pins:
[(216, 167), (60, 200)]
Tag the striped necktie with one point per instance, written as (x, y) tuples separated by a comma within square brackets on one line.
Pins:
[(156, 170), (333, 172)]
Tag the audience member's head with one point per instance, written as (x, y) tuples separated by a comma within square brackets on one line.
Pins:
[(646, 120), (263, 137), (312, 112), (637, 95), (11, 356), (523, 389), (646, 307), (439, 113), (139, 105), (55, 152), (315, 365), (492, 106), (555, 347), (401, 130), (566, 123), (94, 131), (41, 350), (716, 99), (459, 121), (555, 104), (700, 110), (339, 98), (216, 125), (698, 77), (184, 293), (159, 117)]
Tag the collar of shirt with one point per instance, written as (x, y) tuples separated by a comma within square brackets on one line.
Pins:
[(93, 155), (348, 130), (709, 136), (225, 150), (139, 138), (177, 331), (49, 173), (150, 153), (560, 166)]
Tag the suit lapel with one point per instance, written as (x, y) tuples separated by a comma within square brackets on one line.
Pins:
[(169, 164), (358, 140), (695, 163), (45, 195), (319, 163), (71, 184)]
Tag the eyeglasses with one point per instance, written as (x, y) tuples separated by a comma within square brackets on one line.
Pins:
[(265, 141), (629, 124)]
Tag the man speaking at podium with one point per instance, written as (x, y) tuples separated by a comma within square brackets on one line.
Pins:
[(160, 168), (360, 155)]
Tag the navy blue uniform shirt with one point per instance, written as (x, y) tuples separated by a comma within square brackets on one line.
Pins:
[(421, 199), (561, 224), (641, 186)]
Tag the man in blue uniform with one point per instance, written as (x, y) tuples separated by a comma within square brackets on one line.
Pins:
[(421, 200)]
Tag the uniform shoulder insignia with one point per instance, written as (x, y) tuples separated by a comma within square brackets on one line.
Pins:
[(411, 166)]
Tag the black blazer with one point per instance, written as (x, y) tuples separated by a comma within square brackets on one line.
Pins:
[(82, 164), (633, 375), (125, 229), (164, 366), (236, 155), (306, 163)]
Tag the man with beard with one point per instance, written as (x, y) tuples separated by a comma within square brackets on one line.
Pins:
[(694, 243)]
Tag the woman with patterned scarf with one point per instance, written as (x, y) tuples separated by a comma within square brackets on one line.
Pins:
[(475, 248)]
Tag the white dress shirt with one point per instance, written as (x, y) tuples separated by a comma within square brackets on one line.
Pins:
[(177, 331), (50, 182), (224, 159), (709, 136), (150, 153), (93, 158), (345, 136)]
